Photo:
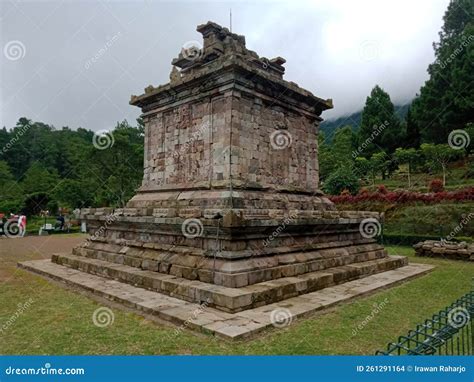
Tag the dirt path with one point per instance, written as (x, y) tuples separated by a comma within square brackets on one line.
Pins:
[(33, 247)]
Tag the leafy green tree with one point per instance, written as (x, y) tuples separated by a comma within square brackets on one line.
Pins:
[(11, 193), (362, 167), (342, 146), (118, 169), (408, 157), (325, 157), (470, 132), (439, 156), (379, 163), (341, 179), (39, 180)]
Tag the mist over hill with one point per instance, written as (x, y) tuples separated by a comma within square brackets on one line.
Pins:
[(330, 126)]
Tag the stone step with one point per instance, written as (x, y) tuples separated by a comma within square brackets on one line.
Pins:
[(224, 298), (207, 320), (232, 274)]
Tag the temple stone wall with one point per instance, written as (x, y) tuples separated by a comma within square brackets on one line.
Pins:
[(273, 147), (228, 139)]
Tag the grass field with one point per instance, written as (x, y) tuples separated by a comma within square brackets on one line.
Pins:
[(458, 176), (59, 321), (419, 219)]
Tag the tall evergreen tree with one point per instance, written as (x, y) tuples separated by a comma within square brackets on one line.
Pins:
[(380, 128), (412, 135), (446, 100)]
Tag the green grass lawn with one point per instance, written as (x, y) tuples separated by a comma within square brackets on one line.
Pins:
[(59, 321), (419, 219), (457, 177)]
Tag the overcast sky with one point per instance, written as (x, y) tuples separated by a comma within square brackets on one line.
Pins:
[(53, 69)]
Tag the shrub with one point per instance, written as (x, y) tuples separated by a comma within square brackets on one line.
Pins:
[(340, 180), (402, 197), (436, 185), (382, 189)]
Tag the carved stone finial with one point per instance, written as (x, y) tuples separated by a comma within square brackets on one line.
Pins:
[(175, 75)]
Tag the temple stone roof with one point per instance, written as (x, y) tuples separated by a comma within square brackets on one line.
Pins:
[(223, 49)]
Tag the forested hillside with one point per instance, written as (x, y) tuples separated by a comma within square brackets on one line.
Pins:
[(43, 168)]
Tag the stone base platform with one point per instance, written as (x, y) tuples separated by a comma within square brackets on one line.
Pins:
[(204, 318), (227, 299)]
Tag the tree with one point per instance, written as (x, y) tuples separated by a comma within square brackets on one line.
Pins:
[(408, 157), (439, 156), (342, 146), (341, 179), (445, 100), (412, 134), (379, 163), (325, 157), (380, 127), (11, 193), (470, 133), (39, 180), (362, 167), (117, 170)]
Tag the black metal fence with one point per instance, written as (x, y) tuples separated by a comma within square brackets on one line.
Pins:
[(449, 332)]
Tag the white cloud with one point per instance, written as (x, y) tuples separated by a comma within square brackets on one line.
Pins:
[(337, 49)]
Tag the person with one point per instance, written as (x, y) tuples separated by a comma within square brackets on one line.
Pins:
[(22, 225), (3, 220), (60, 221)]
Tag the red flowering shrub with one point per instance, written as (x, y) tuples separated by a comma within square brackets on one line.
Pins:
[(436, 185), (345, 192), (401, 197), (381, 189)]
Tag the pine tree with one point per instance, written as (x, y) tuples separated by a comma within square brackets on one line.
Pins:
[(413, 137), (380, 128), (446, 100)]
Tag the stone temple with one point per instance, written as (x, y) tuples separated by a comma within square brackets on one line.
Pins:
[(229, 213)]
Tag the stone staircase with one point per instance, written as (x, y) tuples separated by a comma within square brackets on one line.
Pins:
[(229, 299)]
